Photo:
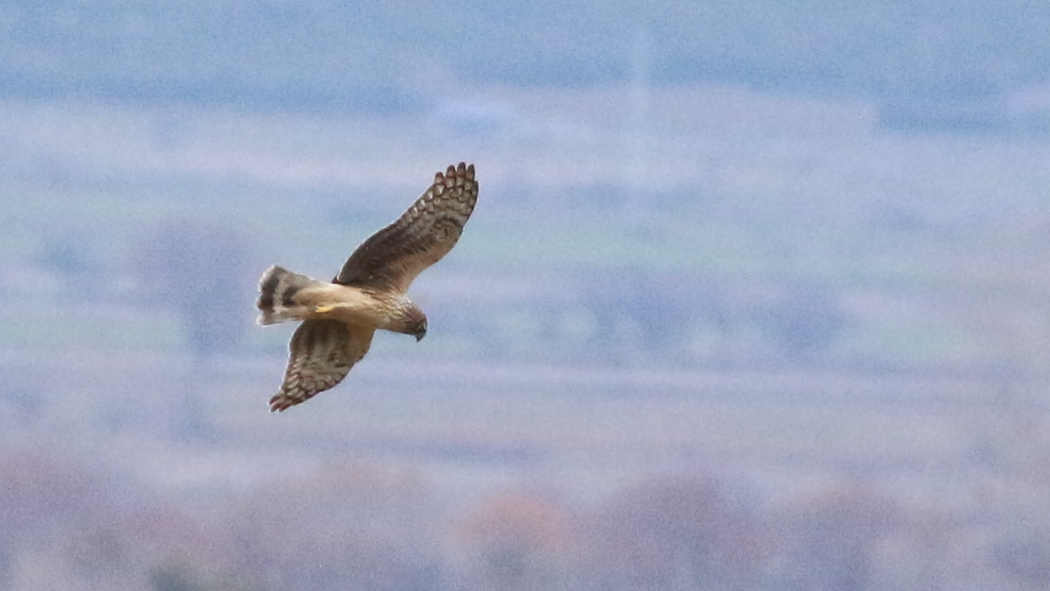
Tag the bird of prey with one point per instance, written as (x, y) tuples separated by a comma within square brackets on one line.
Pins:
[(369, 293)]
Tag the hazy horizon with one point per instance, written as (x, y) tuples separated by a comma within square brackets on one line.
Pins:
[(755, 296)]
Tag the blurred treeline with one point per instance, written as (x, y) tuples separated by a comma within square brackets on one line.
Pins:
[(352, 525)]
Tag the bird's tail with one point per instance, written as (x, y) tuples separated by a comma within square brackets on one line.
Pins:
[(277, 289)]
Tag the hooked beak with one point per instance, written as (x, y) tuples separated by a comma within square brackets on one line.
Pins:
[(420, 335)]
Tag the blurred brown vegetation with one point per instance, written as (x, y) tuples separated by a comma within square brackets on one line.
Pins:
[(355, 526)]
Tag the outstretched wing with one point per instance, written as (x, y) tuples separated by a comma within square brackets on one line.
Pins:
[(321, 353), (392, 257)]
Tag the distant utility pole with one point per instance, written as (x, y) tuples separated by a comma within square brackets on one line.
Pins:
[(636, 185)]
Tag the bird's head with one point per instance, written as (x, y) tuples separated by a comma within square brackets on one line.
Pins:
[(419, 330), (414, 322)]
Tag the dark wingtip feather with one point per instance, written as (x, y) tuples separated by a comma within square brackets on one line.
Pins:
[(279, 403)]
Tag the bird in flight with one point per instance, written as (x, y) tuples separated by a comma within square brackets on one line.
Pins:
[(369, 293)]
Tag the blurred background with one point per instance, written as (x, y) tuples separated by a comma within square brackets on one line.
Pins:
[(755, 295)]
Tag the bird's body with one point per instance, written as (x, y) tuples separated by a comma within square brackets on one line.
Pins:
[(340, 317), (298, 297)]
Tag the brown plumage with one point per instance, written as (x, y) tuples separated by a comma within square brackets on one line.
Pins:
[(369, 293)]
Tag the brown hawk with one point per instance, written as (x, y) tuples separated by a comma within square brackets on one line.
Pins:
[(369, 293)]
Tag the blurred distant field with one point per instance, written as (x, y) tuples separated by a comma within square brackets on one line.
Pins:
[(709, 195), (776, 296), (756, 248), (755, 296)]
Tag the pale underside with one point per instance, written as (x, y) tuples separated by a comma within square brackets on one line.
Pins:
[(351, 305)]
